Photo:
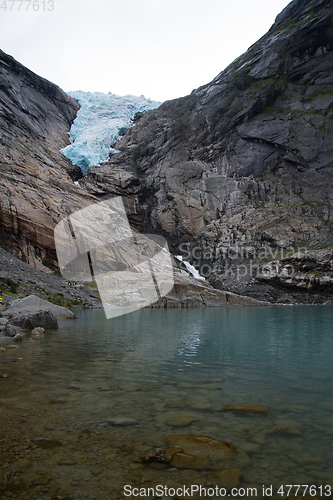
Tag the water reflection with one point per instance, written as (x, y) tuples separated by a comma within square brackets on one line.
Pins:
[(157, 366)]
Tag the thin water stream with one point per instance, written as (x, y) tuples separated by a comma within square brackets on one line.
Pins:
[(173, 372)]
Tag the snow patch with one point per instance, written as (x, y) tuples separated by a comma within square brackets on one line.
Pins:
[(100, 122)]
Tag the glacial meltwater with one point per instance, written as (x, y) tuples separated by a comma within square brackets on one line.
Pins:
[(81, 407)]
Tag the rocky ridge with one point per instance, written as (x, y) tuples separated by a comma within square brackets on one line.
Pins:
[(243, 164), (36, 184), (37, 191), (237, 176)]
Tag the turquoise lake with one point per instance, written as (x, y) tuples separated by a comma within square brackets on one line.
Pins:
[(173, 371)]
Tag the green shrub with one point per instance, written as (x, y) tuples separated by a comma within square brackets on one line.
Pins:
[(12, 285)]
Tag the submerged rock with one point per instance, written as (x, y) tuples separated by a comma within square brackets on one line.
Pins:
[(38, 331), (219, 453), (247, 408), (181, 420), (176, 403), (21, 464), (187, 461), (47, 442), (121, 421), (158, 455), (226, 478), (286, 428), (129, 388)]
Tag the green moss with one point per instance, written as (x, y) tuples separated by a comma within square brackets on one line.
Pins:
[(12, 285), (59, 300)]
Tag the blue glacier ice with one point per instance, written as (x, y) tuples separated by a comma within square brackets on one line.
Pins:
[(100, 122)]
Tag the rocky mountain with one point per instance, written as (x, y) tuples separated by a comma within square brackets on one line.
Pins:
[(37, 191), (36, 183), (238, 175)]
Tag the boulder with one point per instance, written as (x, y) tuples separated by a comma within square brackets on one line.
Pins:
[(9, 330), (3, 322), (44, 319), (33, 304)]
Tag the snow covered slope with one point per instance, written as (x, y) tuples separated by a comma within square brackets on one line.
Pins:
[(100, 122)]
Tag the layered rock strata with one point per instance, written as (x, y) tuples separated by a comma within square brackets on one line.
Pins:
[(36, 183)]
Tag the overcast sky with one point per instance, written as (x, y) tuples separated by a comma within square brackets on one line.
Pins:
[(159, 48)]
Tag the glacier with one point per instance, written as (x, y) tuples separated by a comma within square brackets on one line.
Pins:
[(100, 122)]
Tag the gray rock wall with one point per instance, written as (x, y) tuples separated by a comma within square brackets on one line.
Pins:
[(244, 161), (36, 183)]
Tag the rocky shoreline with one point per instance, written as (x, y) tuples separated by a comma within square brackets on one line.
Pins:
[(29, 315), (48, 291), (18, 280)]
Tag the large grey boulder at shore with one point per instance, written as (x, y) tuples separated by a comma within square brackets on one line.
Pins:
[(33, 304), (42, 319)]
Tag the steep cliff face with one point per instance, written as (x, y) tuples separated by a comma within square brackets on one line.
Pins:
[(36, 183), (37, 189), (237, 176), (239, 173)]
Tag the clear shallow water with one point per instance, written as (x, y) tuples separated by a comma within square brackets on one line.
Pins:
[(156, 366)]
